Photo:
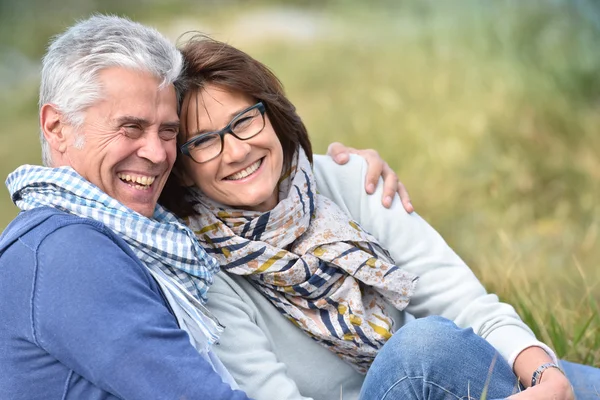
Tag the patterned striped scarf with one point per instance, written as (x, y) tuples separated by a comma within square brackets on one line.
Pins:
[(165, 245), (319, 268)]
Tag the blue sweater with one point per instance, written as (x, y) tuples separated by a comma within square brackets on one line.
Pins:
[(81, 318)]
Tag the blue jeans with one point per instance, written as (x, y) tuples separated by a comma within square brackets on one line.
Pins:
[(431, 358)]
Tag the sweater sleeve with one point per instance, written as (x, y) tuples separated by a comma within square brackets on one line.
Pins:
[(98, 312), (446, 286), (245, 348)]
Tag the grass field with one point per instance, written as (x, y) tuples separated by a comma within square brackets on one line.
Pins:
[(488, 111)]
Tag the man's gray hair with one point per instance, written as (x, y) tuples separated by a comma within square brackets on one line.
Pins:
[(74, 59)]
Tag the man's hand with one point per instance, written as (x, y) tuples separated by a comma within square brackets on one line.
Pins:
[(377, 167)]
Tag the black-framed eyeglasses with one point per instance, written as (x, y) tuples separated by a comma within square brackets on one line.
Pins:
[(206, 146)]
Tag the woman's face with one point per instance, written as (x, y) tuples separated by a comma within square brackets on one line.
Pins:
[(246, 173)]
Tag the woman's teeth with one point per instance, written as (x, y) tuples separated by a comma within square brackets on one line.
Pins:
[(245, 172), (137, 182)]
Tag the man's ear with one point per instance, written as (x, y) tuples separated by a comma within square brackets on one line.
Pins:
[(55, 131)]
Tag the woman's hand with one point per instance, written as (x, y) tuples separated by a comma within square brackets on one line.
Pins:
[(377, 167), (554, 385)]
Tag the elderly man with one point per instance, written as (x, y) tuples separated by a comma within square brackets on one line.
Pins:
[(82, 316), (99, 284)]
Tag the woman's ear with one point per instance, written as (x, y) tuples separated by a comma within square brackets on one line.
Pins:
[(51, 122)]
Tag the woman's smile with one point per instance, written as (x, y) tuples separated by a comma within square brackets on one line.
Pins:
[(248, 172)]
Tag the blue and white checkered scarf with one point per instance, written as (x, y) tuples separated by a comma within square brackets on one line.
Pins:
[(161, 243)]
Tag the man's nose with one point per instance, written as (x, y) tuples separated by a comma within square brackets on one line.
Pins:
[(234, 149), (153, 148)]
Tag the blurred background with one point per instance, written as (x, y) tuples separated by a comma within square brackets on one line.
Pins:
[(488, 110)]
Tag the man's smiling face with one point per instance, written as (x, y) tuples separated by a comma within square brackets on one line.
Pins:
[(127, 143)]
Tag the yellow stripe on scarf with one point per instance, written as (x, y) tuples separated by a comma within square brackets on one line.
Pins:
[(385, 321), (270, 262), (208, 228), (381, 330)]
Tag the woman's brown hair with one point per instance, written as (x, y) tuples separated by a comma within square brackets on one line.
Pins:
[(209, 61)]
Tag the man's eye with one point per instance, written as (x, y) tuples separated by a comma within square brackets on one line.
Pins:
[(169, 134), (132, 131)]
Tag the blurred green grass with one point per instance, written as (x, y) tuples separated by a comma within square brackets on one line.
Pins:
[(488, 111)]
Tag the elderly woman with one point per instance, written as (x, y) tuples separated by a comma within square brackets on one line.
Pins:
[(366, 289)]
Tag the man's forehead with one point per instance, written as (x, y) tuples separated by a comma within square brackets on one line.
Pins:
[(133, 119), (137, 97), (122, 79)]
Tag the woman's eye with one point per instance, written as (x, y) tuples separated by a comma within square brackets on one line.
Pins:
[(206, 141), (242, 122)]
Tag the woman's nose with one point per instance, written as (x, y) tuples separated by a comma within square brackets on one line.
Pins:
[(234, 149)]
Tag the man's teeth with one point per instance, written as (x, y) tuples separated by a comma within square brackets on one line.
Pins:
[(138, 182), (245, 172)]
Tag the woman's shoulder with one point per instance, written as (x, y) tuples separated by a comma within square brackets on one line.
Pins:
[(324, 165), (235, 291), (340, 183), (229, 285)]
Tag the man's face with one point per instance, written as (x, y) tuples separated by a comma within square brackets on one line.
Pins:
[(127, 144)]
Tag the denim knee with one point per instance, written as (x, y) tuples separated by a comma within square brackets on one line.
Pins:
[(433, 358), (419, 338), (435, 345)]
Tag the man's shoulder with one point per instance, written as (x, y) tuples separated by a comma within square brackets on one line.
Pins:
[(33, 227), (61, 243)]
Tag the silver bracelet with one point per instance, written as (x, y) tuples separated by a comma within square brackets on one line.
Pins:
[(537, 374)]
